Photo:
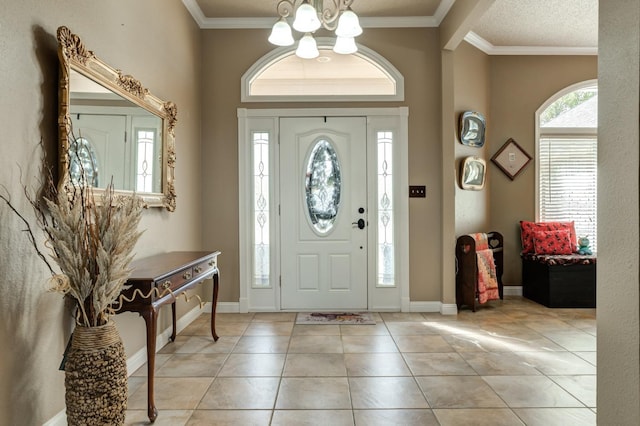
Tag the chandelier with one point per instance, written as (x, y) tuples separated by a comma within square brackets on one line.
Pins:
[(309, 16)]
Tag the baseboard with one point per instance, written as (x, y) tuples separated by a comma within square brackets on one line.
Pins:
[(243, 305), (512, 290), (443, 308), (268, 309), (138, 359), (223, 307), (424, 306), (59, 419), (449, 309), (405, 304)]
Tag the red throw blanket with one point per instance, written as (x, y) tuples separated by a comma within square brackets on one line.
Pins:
[(487, 280)]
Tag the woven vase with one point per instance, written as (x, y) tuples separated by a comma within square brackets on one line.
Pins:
[(96, 377)]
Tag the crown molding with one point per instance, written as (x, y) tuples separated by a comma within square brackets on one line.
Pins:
[(399, 22), (262, 23), (488, 48), (366, 22), (393, 22), (195, 11), (442, 10)]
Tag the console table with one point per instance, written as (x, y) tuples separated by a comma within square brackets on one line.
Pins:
[(160, 279)]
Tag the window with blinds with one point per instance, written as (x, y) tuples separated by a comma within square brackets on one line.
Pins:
[(567, 163), (568, 177)]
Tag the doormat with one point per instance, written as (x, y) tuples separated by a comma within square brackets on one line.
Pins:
[(335, 318)]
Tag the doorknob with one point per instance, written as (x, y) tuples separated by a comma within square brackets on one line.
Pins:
[(360, 223)]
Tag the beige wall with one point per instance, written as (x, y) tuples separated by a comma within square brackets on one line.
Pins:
[(618, 214), (519, 85), (156, 41), (471, 93), (227, 54), (165, 55), (508, 89)]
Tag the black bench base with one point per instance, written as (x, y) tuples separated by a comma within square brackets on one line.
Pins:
[(559, 286)]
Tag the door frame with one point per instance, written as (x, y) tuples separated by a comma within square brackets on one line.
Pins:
[(267, 299)]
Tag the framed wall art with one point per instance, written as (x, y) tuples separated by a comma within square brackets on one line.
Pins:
[(472, 129), (511, 159), (472, 173)]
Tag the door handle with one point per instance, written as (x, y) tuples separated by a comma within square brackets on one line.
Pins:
[(359, 223)]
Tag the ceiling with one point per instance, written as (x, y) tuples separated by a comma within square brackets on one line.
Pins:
[(508, 27)]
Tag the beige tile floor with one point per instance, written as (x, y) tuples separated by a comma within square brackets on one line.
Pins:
[(512, 362)]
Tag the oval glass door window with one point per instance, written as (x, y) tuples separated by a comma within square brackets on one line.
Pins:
[(323, 186), (83, 164)]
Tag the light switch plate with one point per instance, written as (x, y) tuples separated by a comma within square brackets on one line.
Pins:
[(417, 191)]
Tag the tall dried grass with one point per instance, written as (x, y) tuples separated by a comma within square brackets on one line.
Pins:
[(92, 243)]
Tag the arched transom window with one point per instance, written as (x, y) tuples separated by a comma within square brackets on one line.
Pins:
[(282, 76)]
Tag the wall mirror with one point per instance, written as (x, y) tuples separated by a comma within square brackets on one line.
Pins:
[(112, 129)]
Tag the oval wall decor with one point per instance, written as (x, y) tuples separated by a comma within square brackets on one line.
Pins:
[(472, 129)]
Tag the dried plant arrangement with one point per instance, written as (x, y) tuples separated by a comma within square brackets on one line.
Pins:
[(90, 240)]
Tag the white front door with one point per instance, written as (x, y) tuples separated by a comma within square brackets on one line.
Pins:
[(323, 217), (106, 135)]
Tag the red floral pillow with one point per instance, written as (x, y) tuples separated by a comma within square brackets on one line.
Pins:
[(552, 242), (527, 230)]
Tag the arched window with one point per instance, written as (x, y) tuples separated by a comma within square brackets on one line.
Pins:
[(281, 76), (567, 159)]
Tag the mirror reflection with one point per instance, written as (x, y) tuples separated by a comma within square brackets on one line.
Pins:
[(114, 140), (114, 133)]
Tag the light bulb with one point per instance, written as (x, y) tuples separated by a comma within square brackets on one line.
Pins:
[(348, 25), (306, 20), (307, 48), (345, 46), (281, 34)]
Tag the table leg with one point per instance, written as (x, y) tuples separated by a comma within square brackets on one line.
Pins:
[(173, 322), (213, 307), (151, 319)]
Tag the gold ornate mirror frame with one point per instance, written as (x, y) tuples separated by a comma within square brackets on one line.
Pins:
[(74, 56)]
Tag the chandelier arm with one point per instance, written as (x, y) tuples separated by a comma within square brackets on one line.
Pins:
[(285, 8), (345, 4), (330, 17)]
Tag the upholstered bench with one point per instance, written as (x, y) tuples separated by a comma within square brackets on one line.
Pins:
[(559, 281), (553, 273)]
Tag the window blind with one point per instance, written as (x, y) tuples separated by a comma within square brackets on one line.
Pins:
[(567, 176)]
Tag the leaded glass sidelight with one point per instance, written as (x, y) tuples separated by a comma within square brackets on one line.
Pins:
[(260, 209), (386, 258), (323, 186), (144, 168)]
